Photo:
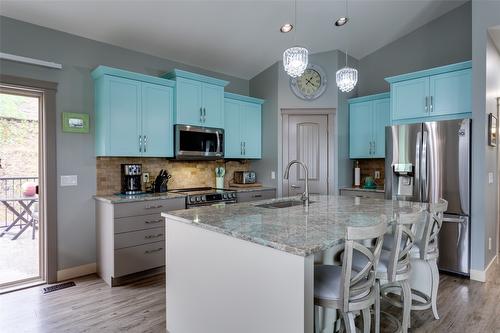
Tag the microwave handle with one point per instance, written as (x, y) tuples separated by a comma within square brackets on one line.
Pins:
[(218, 141)]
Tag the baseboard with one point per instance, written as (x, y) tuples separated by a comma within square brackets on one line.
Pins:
[(482, 276), (74, 272)]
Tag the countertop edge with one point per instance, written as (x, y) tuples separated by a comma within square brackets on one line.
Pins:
[(376, 190), (117, 200)]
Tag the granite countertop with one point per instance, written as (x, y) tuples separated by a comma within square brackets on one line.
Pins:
[(121, 198), (251, 189), (378, 189), (297, 230)]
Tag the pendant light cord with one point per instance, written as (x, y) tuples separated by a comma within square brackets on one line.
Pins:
[(347, 42), (295, 22)]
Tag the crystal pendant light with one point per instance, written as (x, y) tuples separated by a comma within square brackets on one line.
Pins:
[(296, 58), (346, 77)]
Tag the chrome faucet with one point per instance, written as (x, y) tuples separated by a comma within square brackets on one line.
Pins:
[(305, 195)]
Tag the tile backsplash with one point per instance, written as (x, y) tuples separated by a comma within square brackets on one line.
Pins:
[(184, 173), (368, 168)]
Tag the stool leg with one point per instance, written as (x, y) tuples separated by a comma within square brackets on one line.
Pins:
[(349, 322), (435, 286), (377, 306), (406, 305), (367, 320)]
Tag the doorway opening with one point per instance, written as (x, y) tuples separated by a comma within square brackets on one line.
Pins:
[(306, 136), (22, 241)]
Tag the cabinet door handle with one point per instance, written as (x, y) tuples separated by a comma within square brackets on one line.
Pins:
[(154, 207), (431, 105), (244, 148), (140, 143), (426, 103), (153, 236), (370, 148), (258, 195), (153, 251), (154, 221), (201, 114), (374, 147), (241, 147), (204, 115), (145, 143), (295, 186)]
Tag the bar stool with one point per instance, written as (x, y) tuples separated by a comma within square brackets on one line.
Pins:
[(351, 291), (393, 271)]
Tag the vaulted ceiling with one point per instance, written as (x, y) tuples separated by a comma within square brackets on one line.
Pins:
[(235, 37)]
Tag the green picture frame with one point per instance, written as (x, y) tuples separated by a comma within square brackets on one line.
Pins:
[(75, 122)]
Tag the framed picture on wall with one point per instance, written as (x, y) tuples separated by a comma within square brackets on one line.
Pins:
[(75, 122), (492, 130)]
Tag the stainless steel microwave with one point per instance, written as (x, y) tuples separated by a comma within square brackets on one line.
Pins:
[(198, 143)]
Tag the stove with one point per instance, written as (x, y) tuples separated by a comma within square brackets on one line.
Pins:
[(206, 196)]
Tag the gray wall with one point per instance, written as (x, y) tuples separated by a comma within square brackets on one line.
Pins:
[(485, 14), (273, 85), (75, 152), (265, 85), (446, 40)]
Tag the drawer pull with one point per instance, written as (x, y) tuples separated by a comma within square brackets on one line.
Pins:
[(153, 236), (257, 195), (153, 251), (154, 207), (155, 221)]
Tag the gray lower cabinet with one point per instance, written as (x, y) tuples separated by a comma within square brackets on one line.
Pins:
[(263, 194), (362, 193), (131, 238)]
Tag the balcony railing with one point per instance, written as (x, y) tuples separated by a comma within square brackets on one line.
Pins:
[(11, 187)]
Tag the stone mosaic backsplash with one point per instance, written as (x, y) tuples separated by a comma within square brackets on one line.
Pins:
[(368, 168), (184, 173)]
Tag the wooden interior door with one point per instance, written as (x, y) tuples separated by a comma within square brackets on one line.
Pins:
[(306, 140)]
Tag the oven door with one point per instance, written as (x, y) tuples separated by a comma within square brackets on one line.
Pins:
[(198, 143)]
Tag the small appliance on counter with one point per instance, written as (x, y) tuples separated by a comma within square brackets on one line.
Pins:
[(131, 178), (244, 177), (160, 183)]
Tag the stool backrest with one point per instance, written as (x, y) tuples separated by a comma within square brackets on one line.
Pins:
[(357, 284), (429, 241)]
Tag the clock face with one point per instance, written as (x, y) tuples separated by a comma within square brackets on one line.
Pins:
[(311, 84)]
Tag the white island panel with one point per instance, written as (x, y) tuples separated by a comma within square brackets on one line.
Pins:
[(217, 283)]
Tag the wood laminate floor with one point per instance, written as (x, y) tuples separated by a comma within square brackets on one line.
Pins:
[(91, 306)]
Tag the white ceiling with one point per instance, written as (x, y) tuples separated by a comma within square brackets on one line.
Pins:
[(235, 37)]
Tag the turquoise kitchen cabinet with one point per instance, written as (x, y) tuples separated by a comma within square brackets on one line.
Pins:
[(133, 114), (243, 126), (368, 117), (440, 93), (199, 99)]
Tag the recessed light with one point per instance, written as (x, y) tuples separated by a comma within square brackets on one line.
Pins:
[(341, 21), (287, 27)]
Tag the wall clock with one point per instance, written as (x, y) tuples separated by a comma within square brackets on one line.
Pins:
[(311, 84)]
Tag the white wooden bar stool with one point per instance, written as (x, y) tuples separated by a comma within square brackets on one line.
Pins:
[(351, 290)]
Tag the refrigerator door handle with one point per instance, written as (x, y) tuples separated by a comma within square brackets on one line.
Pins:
[(417, 166), (459, 220), (423, 167)]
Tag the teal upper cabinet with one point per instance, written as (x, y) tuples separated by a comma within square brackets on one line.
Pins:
[(242, 119), (435, 94), (368, 117), (199, 99), (133, 114)]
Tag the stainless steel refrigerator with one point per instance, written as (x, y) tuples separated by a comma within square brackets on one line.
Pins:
[(428, 161)]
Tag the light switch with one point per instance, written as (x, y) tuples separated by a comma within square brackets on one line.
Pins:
[(273, 175), (490, 177), (377, 174), (71, 180)]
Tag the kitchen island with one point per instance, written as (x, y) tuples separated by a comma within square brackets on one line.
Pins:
[(249, 267)]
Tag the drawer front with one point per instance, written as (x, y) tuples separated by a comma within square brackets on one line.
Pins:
[(133, 223), (256, 195), (362, 194), (140, 237), (148, 207), (139, 258)]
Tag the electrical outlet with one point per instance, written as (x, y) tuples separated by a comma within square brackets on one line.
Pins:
[(377, 174), (145, 177), (490, 177), (71, 180), (273, 175), (489, 243)]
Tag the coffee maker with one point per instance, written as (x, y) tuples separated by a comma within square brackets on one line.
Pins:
[(131, 178)]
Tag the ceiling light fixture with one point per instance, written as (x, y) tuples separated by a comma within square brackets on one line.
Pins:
[(296, 58), (346, 77), (341, 21), (287, 27)]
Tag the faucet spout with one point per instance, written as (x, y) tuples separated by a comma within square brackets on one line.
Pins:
[(305, 195)]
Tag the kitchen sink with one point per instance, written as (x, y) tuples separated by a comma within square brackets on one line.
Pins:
[(282, 204)]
